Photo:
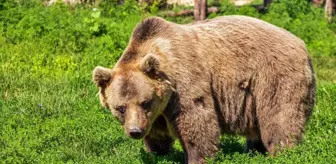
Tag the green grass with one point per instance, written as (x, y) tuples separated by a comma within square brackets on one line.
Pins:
[(257, 2), (50, 112)]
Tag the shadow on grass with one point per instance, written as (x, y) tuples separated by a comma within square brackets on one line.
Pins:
[(174, 156), (228, 146)]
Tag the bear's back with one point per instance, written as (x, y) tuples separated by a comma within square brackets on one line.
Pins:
[(246, 43)]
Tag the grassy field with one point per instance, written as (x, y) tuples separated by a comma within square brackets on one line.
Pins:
[(50, 112)]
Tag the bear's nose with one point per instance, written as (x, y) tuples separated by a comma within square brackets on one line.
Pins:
[(135, 132)]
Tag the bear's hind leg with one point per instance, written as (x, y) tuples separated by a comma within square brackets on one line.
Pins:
[(276, 137)]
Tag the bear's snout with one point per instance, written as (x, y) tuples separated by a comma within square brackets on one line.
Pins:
[(135, 132)]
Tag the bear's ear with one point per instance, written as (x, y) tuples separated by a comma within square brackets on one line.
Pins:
[(101, 76), (150, 65)]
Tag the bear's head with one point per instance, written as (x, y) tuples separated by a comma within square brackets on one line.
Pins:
[(136, 93)]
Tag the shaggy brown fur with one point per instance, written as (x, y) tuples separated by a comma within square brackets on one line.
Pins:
[(232, 74)]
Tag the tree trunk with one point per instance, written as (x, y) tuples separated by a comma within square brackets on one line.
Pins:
[(267, 2), (317, 3), (330, 7), (204, 8), (197, 9), (120, 2), (149, 2), (200, 10), (190, 12)]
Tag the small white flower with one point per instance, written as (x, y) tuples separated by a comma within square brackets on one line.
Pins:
[(94, 9)]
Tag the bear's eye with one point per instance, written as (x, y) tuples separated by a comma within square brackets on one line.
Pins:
[(121, 109), (146, 104)]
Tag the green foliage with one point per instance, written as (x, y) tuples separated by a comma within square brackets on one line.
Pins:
[(228, 8), (49, 110), (306, 22), (48, 104), (332, 24), (297, 16)]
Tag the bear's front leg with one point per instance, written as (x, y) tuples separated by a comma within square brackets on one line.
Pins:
[(159, 140), (199, 132), (160, 146)]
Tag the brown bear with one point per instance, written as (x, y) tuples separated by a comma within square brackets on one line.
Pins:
[(232, 75)]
